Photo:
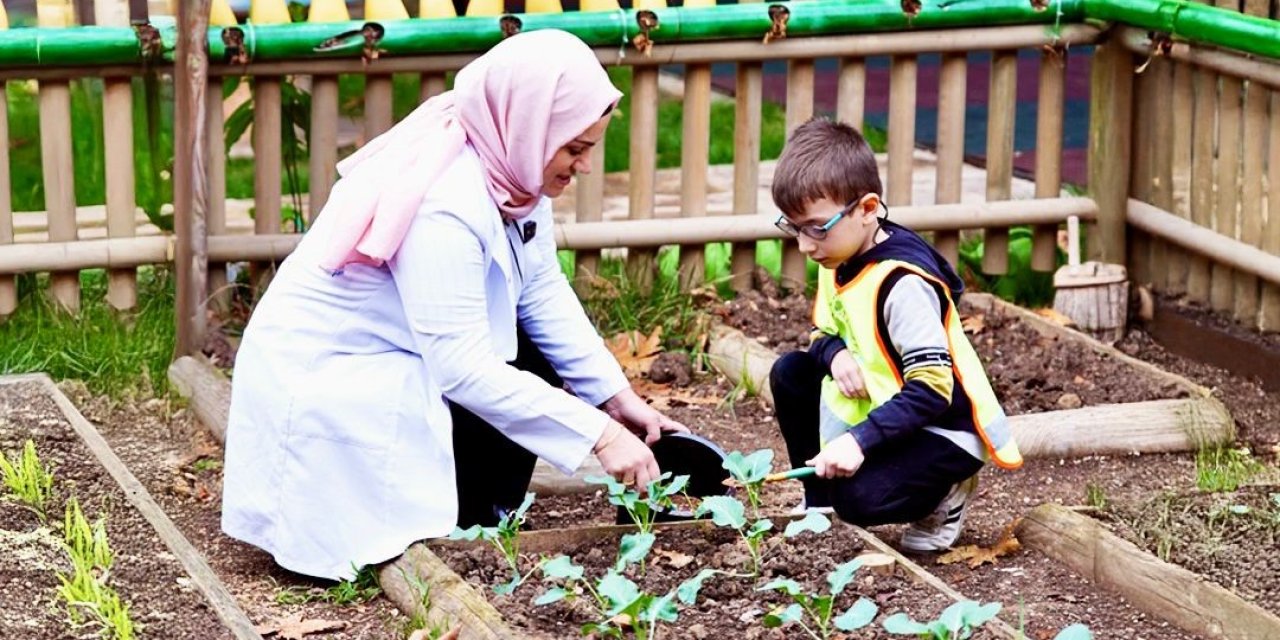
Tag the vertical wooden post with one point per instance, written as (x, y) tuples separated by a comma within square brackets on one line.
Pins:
[(800, 79), (324, 143), (1162, 152), (117, 121), (1110, 115), (1270, 316), (433, 84), (1253, 152), (949, 185), (8, 283), (746, 164), (1205, 123), (590, 208), (644, 166), (695, 149), (1049, 119), (1227, 188), (266, 168), (1180, 135), (216, 177), (851, 92), (902, 129), (1002, 106), (56, 160), (189, 188), (378, 90)]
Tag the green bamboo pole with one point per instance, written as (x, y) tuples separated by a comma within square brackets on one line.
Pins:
[(1193, 21)]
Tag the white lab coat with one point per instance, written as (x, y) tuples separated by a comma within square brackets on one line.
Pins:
[(339, 445)]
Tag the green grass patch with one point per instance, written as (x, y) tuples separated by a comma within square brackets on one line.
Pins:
[(1223, 468), (110, 352), (363, 588)]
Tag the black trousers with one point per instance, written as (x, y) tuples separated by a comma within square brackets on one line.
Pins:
[(493, 472), (901, 481)]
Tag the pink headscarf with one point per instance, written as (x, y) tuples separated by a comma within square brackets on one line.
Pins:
[(517, 105)]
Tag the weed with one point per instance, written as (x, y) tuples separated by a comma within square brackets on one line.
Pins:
[(28, 479), (617, 301), (206, 464), (86, 544), (418, 619), (90, 600), (634, 547), (1095, 496), (363, 588), (1222, 468)]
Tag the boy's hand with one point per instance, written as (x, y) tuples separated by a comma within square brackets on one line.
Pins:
[(848, 375), (839, 459)]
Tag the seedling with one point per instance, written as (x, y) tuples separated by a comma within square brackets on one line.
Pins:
[(86, 544), (88, 597), (635, 547), (28, 479), (505, 538), (956, 622), (619, 603), (813, 611), (729, 512), (749, 472)]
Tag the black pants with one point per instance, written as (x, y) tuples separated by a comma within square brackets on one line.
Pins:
[(901, 481), (493, 472)]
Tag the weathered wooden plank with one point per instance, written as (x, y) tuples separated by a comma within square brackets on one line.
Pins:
[(748, 104), (419, 576)]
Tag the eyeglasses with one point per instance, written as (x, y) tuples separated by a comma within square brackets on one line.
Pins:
[(815, 231)]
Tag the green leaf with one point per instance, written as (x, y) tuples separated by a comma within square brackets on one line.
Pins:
[(952, 618), (749, 469), (977, 616), (812, 521), (786, 616), (901, 624), (619, 591), (663, 609), (677, 485), (553, 595), (841, 576), (823, 605), (1239, 509), (785, 585), (524, 506), (939, 629), (654, 488), (508, 588), (237, 123), (1076, 631), (725, 511), (470, 534), (615, 487), (633, 548), (858, 616), (688, 590), (561, 568), (759, 527)]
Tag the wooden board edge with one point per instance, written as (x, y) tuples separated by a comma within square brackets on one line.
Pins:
[(451, 601)]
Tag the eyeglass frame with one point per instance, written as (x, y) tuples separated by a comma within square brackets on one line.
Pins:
[(819, 231)]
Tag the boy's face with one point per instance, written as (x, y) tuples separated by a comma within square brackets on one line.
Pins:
[(852, 234)]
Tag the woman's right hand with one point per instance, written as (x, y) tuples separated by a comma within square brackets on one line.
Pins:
[(625, 457)]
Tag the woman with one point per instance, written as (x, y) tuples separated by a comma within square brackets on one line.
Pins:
[(407, 365)]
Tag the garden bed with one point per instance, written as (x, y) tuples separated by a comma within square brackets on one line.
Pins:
[(168, 590)]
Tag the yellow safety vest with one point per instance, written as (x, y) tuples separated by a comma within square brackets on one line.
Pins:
[(851, 311)]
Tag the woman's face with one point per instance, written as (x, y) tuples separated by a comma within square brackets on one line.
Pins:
[(573, 158)]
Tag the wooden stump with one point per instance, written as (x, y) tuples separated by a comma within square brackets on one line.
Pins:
[(1095, 296)]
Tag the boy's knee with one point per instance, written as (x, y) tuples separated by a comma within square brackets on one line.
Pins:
[(864, 506), (791, 371)]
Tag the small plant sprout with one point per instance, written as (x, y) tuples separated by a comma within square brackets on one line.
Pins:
[(956, 622), (619, 603), (635, 547), (505, 538), (28, 479), (86, 544), (729, 512), (749, 472), (88, 596), (813, 611)]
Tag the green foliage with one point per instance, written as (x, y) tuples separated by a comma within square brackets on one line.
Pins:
[(956, 622), (30, 482), (749, 472), (1095, 496), (111, 353), (89, 599), (86, 544), (617, 301), (1223, 468), (363, 588), (505, 538), (812, 611), (295, 134), (1021, 285)]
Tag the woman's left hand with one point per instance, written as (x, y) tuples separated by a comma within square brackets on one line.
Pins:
[(633, 412)]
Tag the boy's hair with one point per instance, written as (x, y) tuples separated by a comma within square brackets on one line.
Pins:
[(824, 159)]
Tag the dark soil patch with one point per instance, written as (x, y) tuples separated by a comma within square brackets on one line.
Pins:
[(727, 606), (1230, 538), (180, 464), (162, 600)]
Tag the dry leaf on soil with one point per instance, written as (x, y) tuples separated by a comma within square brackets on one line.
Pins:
[(423, 634), (974, 324), (978, 556), (636, 351), (294, 627), (676, 559), (1055, 317)]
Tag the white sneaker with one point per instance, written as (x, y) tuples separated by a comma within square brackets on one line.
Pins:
[(801, 509), (940, 529)]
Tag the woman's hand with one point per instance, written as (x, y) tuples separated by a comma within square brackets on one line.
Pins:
[(624, 457), (848, 375), (634, 413)]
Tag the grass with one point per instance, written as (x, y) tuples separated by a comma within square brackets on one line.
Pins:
[(111, 353), (89, 599), (30, 482), (1095, 496), (363, 588), (1222, 468), (617, 302)]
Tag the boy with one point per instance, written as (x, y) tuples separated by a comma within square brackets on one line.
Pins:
[(890, 403)]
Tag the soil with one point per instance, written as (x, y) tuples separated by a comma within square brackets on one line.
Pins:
[(727, 606), (162, 600), (180, 464)]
